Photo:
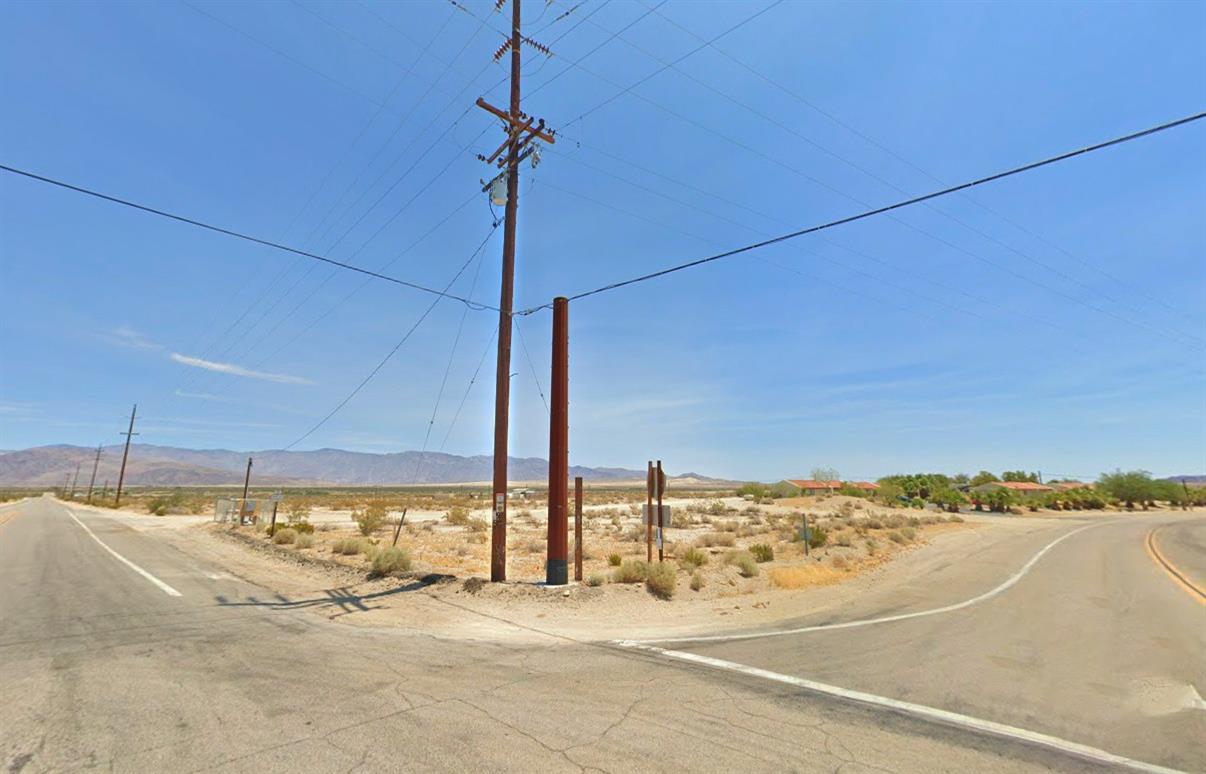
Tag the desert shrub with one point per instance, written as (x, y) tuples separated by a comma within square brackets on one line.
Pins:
[(956, 519), (283, 536), (762, 552), (896, 537), (457, 517), (614, 559), (477, 525), (914, 521), (302, 527), (753, 490), (697, 580), (710, 539), (894, 521), (631, 571), (717, 508), (661, 580), (693, 559), (909, 533), (370, 518), (873, 524), (744, 561), (297, 511), (304, 540), (872, 546), (817, 537), (391, 560), (348, 546), (840, 563), (595, 579)]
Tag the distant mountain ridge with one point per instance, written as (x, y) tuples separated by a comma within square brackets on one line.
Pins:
[(152, 465)]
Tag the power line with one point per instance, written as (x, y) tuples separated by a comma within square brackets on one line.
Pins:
[(469, 388), (888, 208), (524, 345), (396, 347), (246, 237)]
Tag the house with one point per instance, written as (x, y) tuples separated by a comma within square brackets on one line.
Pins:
[(1064, 486), (865, 486), (1020, 488), (810, 487)]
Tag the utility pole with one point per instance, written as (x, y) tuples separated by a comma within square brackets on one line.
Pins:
[(520, 133), (247, 479), (75, 479), (95, 465), (105, 491), (556, 567), (121, 477)]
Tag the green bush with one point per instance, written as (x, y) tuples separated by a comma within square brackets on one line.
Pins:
[(282, 536), (744, 561), (818, 536), (631, 571), (457, 517), (762, 552), (302, 527), (697, 580), (909, 533), (370, 518), (391, 560), (693, 559), (614, 560), (305, 540), (661, 579), (896, 537)]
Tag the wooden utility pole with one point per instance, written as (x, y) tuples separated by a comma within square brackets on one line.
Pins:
[(578, 528), (247, 479), (520, 131), (95, 465), (649, 511), (556, 568), (75, 479), (121, 477)]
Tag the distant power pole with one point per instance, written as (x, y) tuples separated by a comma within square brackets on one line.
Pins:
[(521, 130), (247, 480), (95, 465), (121, 477), (105, 490), (75, 479)]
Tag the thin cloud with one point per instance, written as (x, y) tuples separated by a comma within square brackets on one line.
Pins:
[(237, 370), (125, 336)]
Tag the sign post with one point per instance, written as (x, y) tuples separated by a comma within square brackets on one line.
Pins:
[(276, 501), (649, 510), (661, 488)]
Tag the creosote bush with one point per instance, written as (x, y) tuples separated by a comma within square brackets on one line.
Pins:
[(391, 560), (818, 537), (763, 552), (661, 579), (370, 518), (726, 539), (697, 580), (457, 517), (305, 540), (693, 559), (283, 536), (595, 579), (631, 571), (348, 546)]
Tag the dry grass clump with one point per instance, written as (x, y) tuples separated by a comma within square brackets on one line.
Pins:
[(391, 560), (595, 579), (631, 571), (304, 541), (763, 552), (744, 561), (693, 559), (661, 579), (803, 575), (840, 563), (457, 517), (348, 546), (725, 539), (284, 536), (697, 580), (614, 559)]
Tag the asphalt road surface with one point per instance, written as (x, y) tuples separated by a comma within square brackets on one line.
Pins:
[(120, 651)]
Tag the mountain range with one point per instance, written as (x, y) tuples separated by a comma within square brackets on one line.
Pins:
[(151, 465)]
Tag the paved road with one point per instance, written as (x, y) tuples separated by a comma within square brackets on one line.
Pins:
[(102, 666), (1096, 644)]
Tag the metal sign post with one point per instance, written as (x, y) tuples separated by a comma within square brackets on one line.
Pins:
[(649, 510), (276, 501)]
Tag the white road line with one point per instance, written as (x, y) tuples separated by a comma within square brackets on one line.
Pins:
[(1009, 582), (166, 589), (1001, 730)]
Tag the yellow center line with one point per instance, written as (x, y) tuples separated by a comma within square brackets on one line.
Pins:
[(1178, 576)]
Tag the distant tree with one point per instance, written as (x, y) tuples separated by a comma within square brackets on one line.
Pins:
[(825, 474), (959, 478), (1019, 475), (1134, 486), (983, 477)]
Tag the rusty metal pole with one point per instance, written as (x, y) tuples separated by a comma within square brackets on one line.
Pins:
[(649, 511), (578, 528), (121, 477), (502, 376), (661, 531), (246, 483), (95, 465), (557, 569)]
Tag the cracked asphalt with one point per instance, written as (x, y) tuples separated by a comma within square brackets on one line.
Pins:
[(100, 669)]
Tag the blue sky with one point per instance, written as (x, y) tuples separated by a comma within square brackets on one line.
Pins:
[(1054, 321)]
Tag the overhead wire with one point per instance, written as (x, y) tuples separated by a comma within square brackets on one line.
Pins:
[(889, 207)]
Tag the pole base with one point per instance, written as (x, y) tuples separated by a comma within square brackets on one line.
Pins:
[(556, 572)]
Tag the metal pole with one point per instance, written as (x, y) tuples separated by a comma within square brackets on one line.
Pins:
[(502, 376), (75, 479), (272, 526), (649, 511), (578, 528), (556, 569), (95, 465), (121, 477), (806, 536), (247, 478)]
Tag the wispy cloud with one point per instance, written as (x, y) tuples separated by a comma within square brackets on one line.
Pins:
[(209, 396), (125, 336), (237, 370)]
